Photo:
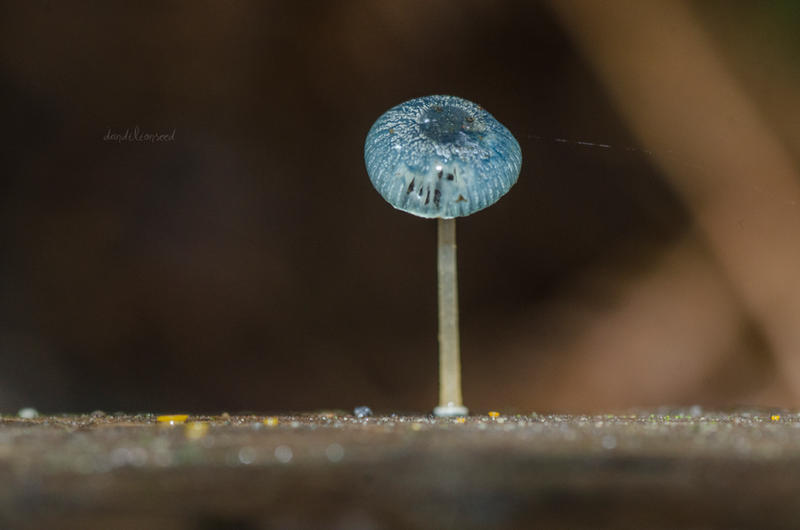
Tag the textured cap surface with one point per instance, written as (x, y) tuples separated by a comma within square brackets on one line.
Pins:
[(441, 156)]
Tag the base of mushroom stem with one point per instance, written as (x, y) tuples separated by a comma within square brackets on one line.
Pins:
[(450, 410)]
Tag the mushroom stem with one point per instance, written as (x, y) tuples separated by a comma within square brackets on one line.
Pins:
[(449, 351)]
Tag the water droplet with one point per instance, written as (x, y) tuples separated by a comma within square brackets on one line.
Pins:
[(120, 456), (283, 453), (247, 455), (362, 412), (334, 452), (609, 442)]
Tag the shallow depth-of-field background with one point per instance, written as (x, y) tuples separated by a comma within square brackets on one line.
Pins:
[(247, 264)]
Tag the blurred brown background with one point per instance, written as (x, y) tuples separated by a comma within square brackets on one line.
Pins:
[(249, 265)]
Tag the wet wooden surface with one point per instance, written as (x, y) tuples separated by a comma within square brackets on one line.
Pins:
[(668, 469)]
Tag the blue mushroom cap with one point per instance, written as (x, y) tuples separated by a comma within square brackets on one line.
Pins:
[(441, 156)]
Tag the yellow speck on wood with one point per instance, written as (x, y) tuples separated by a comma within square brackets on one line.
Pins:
[(272, 421), (775, 417), (494, 414), (172, 419), (196, 429), (461, 420)]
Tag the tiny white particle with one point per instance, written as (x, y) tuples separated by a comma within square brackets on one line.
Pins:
[(28, 413)]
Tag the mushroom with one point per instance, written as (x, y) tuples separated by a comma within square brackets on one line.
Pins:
[(442, 157)]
